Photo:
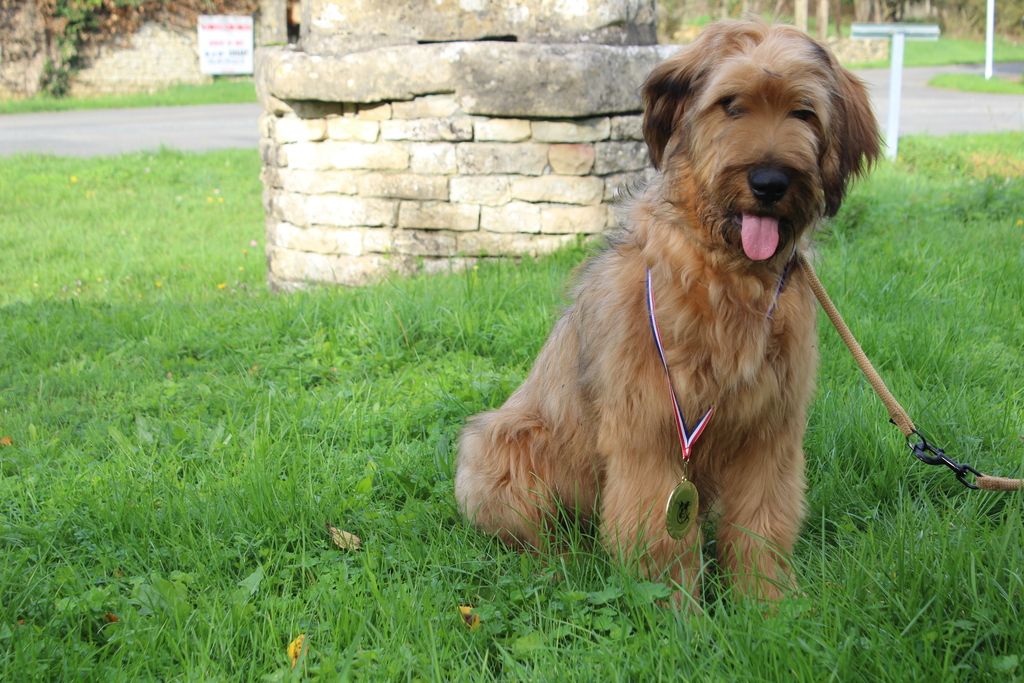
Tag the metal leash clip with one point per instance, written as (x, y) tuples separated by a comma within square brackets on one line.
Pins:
[(933, 455)]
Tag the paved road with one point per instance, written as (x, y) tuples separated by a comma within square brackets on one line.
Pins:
[(113, 131), (940, 112)]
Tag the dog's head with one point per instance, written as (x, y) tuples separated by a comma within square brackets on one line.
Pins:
[(757, 129)]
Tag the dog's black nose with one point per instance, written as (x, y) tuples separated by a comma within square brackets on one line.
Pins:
[(768, 183)]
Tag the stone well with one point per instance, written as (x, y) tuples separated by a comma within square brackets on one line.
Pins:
[(407, 136)]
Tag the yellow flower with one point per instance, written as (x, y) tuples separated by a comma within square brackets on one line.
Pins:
[(158, 284), (222, 285), (209, 200), (471, 619), (295, 648), (1020, 222), (73, 179)]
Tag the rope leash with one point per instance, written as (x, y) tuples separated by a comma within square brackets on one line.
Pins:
[(925, 452)]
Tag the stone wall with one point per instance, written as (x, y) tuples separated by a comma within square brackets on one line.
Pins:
[(154, 57), (425, 158), (356, 192), (22, 48)]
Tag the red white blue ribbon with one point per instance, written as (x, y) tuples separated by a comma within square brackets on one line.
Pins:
[(687, 437)]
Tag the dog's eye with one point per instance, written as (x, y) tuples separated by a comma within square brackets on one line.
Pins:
[(731, 108), (802, 114)]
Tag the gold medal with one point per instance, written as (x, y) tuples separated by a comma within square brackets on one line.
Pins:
[(681, 509), (683, 503)]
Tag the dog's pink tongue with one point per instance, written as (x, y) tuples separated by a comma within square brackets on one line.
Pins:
[(760, 235)]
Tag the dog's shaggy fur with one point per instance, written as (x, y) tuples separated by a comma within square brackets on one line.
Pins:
[(749, 123)]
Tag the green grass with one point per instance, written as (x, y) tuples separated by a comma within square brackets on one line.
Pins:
[(976, 83), (220, 91), (179, 437), (945, 51)]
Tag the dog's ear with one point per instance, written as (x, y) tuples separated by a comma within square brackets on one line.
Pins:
[(665, 93), (673, 83), (853, 138)]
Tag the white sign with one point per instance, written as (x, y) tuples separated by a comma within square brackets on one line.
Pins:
[(225, 44)]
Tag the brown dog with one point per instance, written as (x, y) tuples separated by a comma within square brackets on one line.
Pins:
[(756, 131)]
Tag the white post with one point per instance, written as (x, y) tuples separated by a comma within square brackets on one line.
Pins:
[(990, 33), (892, 127)]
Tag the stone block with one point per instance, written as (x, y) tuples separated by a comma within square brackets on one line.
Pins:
[(451, 129), (317, 182), (439, 216), (616, 218), (512, 217), (294, 129), (270, 153), (366, 24), (266, 124), (373, 111), (347, 155), (378, 240), (503, 79), (580, 130), (511, 244), (334, 210), (347, 241), (424, 243), (500, 130), (300, 266), (270, 176), (624, 185), (553, 81), (403, 186), (573, 219), (351, 128), (432, 157), (488, 190), (627, 128), (425, 107), (559, 188), (616, 157), (571, 159), (481, 158)]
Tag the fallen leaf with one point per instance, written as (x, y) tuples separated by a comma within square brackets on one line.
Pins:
[(6, 441), (471, 618), (343, 540), (295, 648)]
